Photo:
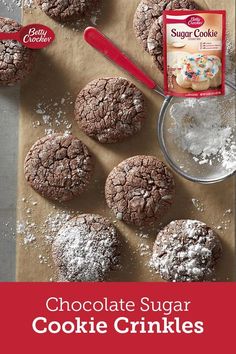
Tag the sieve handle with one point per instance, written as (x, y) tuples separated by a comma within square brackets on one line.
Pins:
[(101, 43)]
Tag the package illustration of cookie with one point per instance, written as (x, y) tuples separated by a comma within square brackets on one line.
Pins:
[(194, 53)]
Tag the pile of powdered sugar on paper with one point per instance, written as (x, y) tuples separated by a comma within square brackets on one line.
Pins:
[(30, 232), (205, 128), (28, 229)]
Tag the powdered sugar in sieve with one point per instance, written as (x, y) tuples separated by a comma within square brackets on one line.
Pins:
[(205, 128)]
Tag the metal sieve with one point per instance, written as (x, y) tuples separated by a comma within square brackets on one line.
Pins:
[(181, 161)]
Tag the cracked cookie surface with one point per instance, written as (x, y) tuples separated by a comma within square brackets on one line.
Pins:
[(58, 167), (67, 10), (186, 251), (86, 248), (147, 13), (110, 109), (155, 43), (16, 61), (140, 190), (155, 36)]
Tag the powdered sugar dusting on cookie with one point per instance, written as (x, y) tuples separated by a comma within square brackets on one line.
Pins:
[(85, 249), (186, 250), (110, 109)]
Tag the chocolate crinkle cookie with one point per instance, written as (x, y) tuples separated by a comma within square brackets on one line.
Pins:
[(110, 109), (155, 43), (147, 12), (16, 61), (140, 190), (186, 251), (148, 24), (58, 167), (67, 10), (155, 37), (182, 5), (86, 249)]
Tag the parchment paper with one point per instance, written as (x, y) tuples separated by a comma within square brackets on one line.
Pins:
[(68, 65)]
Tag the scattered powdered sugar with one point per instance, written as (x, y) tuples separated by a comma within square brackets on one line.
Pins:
[(43, 259), (228, 211), (53, 115), (11, 5), (229, 156), (143, 235), (54, 223), (85, 250), (144, 249), (27, 229), (40, 235), (138, 103), (186, 250), (27, 3), (99, 253), (205, 128), (226, 220), (198, 205)]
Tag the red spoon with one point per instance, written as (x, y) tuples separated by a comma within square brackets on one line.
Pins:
[(34, 36), (101, 43)]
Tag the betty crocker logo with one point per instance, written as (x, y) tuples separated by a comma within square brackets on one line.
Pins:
[(37, 36), (195, 21), (33, 36)]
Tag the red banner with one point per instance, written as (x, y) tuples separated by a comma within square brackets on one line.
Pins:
[(117, 317)]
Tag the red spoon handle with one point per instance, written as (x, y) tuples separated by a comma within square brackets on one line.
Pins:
[(9, 36), (97, 40)]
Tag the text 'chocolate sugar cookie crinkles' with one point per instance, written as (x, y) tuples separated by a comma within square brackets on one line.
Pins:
[(58, 167), (186, 251), (110, 109), (16, 61), (140, 190), (67, 10), (86, 249)]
